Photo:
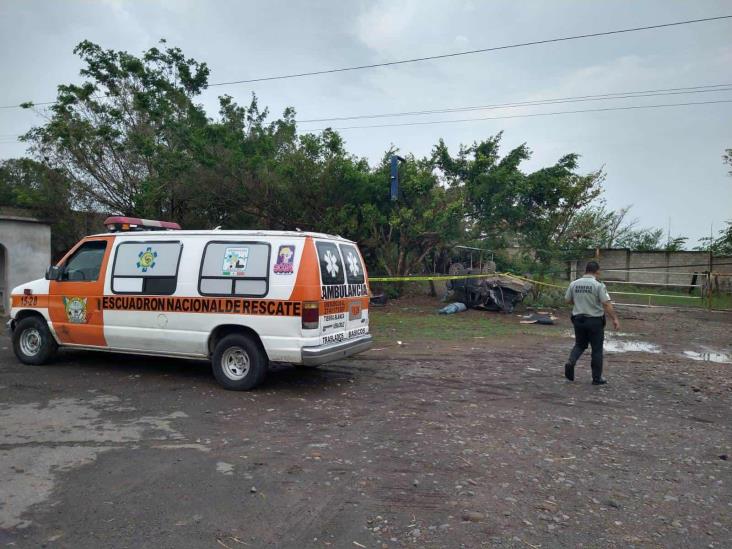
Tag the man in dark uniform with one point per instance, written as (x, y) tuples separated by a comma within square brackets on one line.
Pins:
[(590, 303)]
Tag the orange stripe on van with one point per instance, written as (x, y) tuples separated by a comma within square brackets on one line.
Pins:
[(307, 283), (308, 287), (33, 301), (211, 305), (335, 306)]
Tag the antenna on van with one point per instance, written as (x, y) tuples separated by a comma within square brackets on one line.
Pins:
[(297, 229), (217, 228)]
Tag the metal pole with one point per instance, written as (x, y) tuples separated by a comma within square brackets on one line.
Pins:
[(394, 179)]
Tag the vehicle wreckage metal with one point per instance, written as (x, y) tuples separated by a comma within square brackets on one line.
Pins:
[(493, 293)]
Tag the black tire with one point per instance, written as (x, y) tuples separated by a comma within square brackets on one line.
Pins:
[(457, 269), (228, 351), (489, 267), (31, 334)]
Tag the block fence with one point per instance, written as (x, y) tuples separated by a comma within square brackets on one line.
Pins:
[(655, 267)]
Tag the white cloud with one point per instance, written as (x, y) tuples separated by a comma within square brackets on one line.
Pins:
[(381, 26)]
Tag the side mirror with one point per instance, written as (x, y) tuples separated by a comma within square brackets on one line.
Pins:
[(53, 272)]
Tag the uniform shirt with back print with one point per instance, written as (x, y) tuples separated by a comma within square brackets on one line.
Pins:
[(588, 294)]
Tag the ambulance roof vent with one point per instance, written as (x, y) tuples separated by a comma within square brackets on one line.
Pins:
[(117, 224)]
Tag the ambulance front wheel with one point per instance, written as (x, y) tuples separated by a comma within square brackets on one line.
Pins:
[(33, 342), (239, 363)]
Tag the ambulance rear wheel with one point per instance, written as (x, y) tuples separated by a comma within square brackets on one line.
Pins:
[(239, 363), (33, 342)]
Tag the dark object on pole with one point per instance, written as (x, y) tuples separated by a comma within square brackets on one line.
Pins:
[(394, 177)]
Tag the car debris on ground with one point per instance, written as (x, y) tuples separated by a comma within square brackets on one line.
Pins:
[(539, 317)]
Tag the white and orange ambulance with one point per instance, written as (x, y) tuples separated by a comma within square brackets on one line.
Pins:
[(240, 298)]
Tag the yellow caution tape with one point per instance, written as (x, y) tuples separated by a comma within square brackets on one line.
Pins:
[(425, 278), (491, 275), (537, 282), (455, 277)]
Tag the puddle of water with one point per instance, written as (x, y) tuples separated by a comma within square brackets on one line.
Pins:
[(225, 468), (608, 334), (614, 345), (709, 356), (619, 346)]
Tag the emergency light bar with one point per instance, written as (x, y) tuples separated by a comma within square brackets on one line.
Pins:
[(120, 224)]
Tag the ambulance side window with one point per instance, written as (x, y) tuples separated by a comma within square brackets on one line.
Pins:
[(146, 268), (352, 261), (331, 265), (235, 268), (85, 264)]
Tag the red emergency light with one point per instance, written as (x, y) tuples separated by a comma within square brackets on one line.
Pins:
[(120, 224)]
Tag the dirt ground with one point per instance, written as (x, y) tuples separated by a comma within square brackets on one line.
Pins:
[(464, 435)]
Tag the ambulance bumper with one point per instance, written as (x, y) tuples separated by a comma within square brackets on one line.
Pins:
[(312, 356)]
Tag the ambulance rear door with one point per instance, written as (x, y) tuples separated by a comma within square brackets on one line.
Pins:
[(344, 293), (357, 312)]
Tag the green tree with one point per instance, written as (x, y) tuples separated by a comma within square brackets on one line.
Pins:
[(503, 203), (123, 136), (426, 217), (131, 139), (597, 226), (722, 243), (45, 193), (235, 177), (642, 240)]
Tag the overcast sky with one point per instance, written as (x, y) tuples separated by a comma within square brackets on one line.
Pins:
[(665, 162)]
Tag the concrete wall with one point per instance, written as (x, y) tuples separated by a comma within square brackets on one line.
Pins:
[(667, 267), (26, 245)]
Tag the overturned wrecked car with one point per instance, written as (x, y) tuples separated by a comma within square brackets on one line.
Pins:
[(495, 292)]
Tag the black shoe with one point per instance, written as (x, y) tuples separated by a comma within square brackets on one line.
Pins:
[(569, 371), (599, 381)]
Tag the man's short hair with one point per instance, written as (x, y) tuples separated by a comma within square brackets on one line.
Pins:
[(592, 267)]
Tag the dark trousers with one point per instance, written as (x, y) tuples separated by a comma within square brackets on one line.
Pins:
[(588, 330)]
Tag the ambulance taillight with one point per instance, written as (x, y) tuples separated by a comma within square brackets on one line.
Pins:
[(116, 224), (310, 315)]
